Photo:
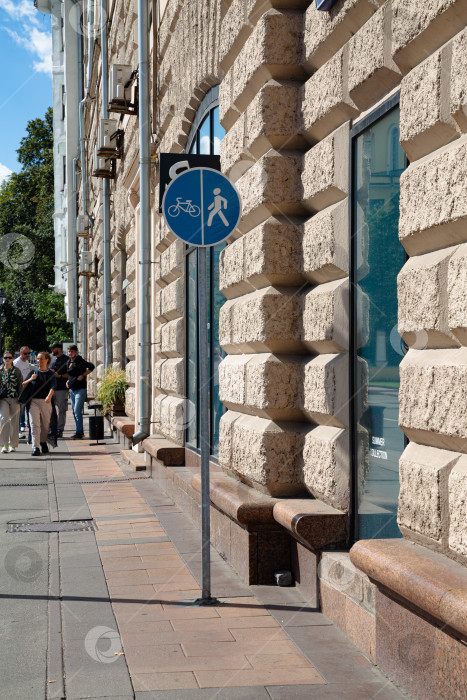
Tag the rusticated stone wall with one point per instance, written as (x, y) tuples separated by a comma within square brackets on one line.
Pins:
[(433, 283), (285, 324), (188, 66), (294, 77), (122, 49)]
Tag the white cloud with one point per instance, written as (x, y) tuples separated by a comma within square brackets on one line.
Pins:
[(4, 172), (27, 32)]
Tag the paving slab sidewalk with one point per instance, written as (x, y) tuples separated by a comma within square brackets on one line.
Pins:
[(147, 553)]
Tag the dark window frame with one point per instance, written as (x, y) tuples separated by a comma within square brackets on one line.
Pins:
[(209, 103)]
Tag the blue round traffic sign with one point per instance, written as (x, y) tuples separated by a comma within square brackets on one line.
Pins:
[(202, 207)]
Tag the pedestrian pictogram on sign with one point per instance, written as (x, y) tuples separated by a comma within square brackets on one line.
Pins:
[(201, 206)]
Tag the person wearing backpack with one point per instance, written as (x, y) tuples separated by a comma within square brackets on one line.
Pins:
[(43, 384)]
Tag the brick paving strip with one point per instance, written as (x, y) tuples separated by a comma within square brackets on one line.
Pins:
[(169, 643), (175, 649)]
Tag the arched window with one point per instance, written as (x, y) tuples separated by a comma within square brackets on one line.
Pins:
[(205, 136)]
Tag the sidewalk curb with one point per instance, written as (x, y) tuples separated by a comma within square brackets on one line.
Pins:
[(55, 690)]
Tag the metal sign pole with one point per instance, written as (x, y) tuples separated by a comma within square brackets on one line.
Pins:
[(202, 208), (203, 356)]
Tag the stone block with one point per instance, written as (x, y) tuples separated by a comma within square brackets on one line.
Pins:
[(325, 244), (422, 293), (170, 301), (458, 507), (372, 72), (263, 454), (170, 376), (130, 402), (418, 29), (325, 100), (325, 175), (326, 390), (172, 260), (130, 373), (458, 88), (130, 269), (425, 122), (115, 265), (130, 320), (271, 186), (267, 255), (235, 29), (239, 22), (173, 338), (267, 320), (326, 317), (326, 465), (116, 287), (130, 294), (100, 338), (271, 120), (423, 497), (273, 51), (327, 32), (263, 384), (457, 294), (130, 347), (170, 412), (433, 203), (116, 307), (232, 282), (163, 235), (432, 407)]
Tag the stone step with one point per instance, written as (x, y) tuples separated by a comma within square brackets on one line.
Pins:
[(134, 459)]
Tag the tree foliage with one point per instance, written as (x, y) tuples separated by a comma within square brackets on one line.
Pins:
[(34, 313)]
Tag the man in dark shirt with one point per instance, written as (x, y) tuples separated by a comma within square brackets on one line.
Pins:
[(60, 368), (77, 370)]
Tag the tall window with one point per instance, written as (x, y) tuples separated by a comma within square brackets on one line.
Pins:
[(377, 348), (205, 137)]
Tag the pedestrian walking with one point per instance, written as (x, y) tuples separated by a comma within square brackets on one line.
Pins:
[(60, 367), (11, 384), (24, 364), (78, 369), (40, 409)]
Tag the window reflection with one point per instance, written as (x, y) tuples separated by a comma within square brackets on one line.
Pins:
[(208, 138), (378, 257)]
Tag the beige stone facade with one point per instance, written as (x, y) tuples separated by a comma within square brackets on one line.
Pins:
[(293, 82)]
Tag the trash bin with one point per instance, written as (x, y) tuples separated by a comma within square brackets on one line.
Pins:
[(96, 427)]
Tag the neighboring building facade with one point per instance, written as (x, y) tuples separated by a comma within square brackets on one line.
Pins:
[(65, 105), (338, 310)]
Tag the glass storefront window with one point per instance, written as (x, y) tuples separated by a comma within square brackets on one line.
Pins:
[(206, 139), (377, 257)]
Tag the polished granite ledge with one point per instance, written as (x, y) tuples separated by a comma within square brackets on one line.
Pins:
[(428, 580)]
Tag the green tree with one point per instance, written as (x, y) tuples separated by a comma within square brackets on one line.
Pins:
[(34, 313)]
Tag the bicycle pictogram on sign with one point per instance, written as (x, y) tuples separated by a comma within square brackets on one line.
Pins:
[(187, 207)]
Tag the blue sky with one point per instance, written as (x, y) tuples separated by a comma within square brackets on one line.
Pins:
[(26, 86)]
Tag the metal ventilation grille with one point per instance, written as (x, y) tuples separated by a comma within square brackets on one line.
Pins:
[(64, 526)]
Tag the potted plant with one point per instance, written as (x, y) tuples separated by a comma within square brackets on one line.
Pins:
[(111, 391)]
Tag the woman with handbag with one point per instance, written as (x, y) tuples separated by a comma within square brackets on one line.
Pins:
[(40, 409), (11, 380)]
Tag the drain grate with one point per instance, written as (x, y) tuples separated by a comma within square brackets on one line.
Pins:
[(63, 526)]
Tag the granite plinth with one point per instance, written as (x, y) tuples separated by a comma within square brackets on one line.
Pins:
[(427, 580), (167, 452), (312, 522)]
